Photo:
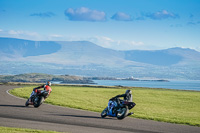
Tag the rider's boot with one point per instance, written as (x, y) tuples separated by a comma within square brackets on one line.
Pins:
[(130, 113)]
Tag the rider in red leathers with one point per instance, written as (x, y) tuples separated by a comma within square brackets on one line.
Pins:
[(37, 91)]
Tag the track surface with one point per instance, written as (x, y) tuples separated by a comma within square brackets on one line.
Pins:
[(13, 113)]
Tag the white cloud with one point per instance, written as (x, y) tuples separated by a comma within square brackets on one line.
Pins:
[(164, 14), (20, 34), (55, 37), (85, 14), (120, 16), (116, 44), (43, 15), (198, 49), (13, 32), (28, 35)]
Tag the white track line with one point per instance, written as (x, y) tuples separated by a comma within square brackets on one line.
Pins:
[(13, 95)]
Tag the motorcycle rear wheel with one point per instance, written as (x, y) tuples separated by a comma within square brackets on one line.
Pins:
[(40, 101), (122, 113)]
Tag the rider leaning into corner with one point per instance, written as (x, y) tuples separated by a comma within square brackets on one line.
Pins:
[(37, 91), (127, 97)]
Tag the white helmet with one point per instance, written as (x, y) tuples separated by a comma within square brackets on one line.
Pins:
[(48, 83), (128, 92)]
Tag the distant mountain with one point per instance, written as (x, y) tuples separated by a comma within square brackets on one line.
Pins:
[(25, 48), (88, 59), (167, 57), (159, 57)]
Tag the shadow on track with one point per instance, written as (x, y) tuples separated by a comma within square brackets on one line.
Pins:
[(18, 106), (82, 116)]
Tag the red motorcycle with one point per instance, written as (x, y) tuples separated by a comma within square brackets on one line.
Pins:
[(38, 99)]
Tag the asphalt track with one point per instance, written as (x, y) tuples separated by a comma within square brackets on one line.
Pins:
[(13, 113)]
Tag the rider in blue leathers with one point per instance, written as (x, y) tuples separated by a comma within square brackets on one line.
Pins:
[(114, 103)]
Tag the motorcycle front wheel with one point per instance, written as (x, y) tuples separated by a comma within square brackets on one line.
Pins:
[(122, 113), (39, 102), (104, 113), (27, 103)]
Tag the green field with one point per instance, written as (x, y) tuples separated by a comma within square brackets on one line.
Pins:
[(22, 130), (174, 106)]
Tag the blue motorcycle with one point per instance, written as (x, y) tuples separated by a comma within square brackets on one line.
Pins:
[(118, 108)]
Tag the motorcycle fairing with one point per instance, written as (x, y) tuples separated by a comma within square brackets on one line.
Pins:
[(111, 106), (110, 113)]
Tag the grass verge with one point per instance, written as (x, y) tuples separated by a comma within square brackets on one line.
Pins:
[(22, 130), (174, 106)]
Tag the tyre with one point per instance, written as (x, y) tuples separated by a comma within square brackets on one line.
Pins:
[(39, 102), (104, 113), (27, 103), (122, 113)]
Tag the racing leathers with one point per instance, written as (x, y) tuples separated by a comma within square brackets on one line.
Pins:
[(37, 91), (126, 97)]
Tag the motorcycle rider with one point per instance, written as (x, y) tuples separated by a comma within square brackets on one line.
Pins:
[(127, 97), (37, 91)]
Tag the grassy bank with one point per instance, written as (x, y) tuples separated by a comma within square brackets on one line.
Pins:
[(22, 130), (173, 106)]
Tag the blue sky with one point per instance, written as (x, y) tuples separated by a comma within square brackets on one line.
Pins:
[(115, 24)]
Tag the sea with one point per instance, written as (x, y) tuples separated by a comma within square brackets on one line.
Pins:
[(193, 85)]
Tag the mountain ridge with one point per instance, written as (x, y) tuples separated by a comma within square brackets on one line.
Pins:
[(88, 59)]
